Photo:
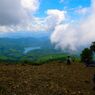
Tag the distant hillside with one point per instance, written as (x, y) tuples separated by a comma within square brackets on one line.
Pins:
[(14, 48)]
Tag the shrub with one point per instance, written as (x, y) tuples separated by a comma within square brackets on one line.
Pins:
[(86, 55)]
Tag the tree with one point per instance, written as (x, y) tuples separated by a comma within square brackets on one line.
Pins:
[(92, 47), (86, 56), (88, 53)]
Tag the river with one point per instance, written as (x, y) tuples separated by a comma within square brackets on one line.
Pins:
[(27, 49)]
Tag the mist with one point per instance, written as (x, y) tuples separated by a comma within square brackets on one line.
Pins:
[(75, 35)]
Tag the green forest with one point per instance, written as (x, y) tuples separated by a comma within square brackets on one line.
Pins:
[(29, 50)]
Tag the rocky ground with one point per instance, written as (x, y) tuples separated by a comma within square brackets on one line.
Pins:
[(54, 78)]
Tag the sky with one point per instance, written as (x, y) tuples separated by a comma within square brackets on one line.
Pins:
[(71, 22)]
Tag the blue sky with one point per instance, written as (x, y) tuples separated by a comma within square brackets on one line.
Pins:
[(68, 5)]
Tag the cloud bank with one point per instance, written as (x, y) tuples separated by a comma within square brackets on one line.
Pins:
[(74, 35)]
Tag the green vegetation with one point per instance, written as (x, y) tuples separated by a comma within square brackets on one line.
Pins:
[(52, 57), (13, 51), (87, 54)]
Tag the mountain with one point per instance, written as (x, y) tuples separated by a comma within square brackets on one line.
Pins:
[(29, 48), (23, 34)]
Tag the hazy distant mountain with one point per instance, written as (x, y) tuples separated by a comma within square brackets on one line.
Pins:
[(24, 34), (25, 48)]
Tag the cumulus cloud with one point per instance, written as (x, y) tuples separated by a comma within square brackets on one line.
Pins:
[(10, 12), (16, 12), (54, 18), (74, 35), (18, 15), (31, 5), (64, 40)]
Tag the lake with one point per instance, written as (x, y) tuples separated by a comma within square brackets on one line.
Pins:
[(27, 49)]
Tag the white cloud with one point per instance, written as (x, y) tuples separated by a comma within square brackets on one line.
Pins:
[(16, 12), (65, 37), (82, 11), (58, 15), (32, 5), (76, 35), (54, 18), (18, 15)]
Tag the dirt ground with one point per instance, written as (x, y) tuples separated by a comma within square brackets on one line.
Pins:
[(48, 79)]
